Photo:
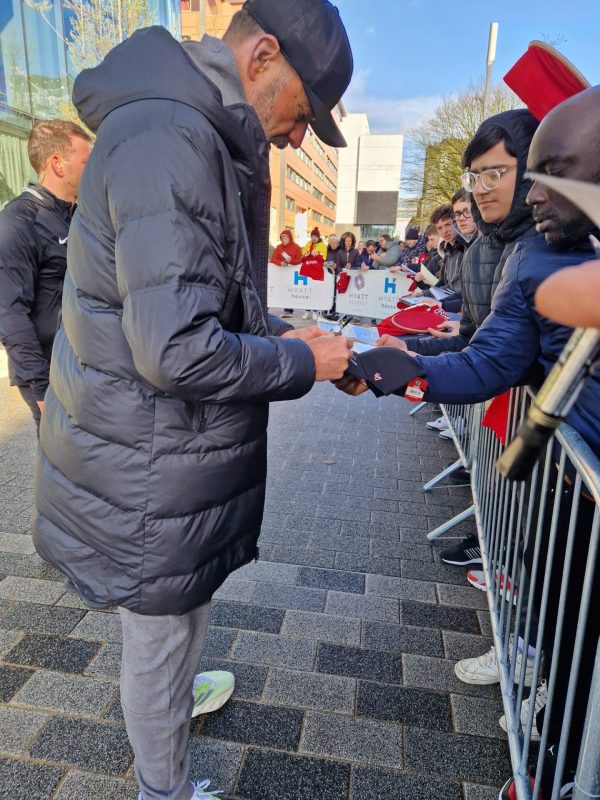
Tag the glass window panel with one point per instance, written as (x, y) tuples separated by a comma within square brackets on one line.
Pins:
[(14, 85), (44, 37)]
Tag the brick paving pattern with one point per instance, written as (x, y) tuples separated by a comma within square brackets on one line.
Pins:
[(342, 636)]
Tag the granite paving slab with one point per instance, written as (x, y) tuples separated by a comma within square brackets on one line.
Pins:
[(468, 758), (54, 691), (77, 742), (277, 651), (250, 723), (310, 690), (31, 590), (40, 618), (409, 706), (47, 652), (17, 729), (322, 627), (279, 776), (357, 740), (25, 780), (78, 785), (357, 662), (11, 680), (384, 784)]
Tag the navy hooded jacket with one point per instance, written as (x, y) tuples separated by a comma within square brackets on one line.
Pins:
[(151, 475), (513, 338)]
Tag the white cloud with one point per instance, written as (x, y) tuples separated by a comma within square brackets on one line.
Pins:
[(387, 114)]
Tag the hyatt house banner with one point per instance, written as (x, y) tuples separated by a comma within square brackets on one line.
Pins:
[(370, 294), (373, 294), (288, 289)]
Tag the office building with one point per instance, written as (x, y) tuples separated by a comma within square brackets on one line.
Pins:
[(369, 179)]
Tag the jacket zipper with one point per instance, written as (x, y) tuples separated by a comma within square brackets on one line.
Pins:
[(200, 419)]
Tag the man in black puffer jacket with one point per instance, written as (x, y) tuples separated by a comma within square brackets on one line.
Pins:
[(502, 215), (151, 475)]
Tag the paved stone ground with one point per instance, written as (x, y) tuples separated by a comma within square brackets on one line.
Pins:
[(342, 637)]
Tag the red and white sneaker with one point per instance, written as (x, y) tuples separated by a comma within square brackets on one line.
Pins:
[(509, 792), (476, 577)]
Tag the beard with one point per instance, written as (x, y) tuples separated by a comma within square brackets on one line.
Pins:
[(263, 106)]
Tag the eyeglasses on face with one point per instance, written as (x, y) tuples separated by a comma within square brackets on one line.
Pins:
[(489, 178), (466, 214)]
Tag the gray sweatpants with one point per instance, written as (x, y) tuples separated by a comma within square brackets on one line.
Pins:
[(160, 660)]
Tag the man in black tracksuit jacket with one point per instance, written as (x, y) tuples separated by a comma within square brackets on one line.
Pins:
[(34, 229)]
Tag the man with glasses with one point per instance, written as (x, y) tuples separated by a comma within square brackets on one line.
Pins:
[(495, 160), (462, 216)]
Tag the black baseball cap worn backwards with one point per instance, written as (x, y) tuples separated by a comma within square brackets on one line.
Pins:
[(314, 41)]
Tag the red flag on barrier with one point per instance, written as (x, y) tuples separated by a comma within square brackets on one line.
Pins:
[(312, 267), (496, 416), (343, 282), (543, 78)]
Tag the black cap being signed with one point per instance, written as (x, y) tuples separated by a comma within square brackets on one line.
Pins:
[(314, 41), (386, 370)]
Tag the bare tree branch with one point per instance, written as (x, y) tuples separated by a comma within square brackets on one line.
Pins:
[(434, 168)]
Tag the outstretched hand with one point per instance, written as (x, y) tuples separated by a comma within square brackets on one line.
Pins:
[(446, 330), (393, 341)]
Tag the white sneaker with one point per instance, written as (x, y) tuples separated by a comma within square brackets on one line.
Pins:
[(541, 698), (439, 424), (200, 792), (483, 670), (306, 315), (458, 425)]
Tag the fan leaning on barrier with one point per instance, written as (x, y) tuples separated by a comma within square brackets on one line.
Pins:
[(581, 354)]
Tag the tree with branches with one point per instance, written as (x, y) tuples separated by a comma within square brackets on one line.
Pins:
[(434, 168)]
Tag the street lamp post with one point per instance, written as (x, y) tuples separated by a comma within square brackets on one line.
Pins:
[(491, 57)]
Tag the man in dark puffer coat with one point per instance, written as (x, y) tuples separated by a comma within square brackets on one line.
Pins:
[(484, 261), (151, 475)]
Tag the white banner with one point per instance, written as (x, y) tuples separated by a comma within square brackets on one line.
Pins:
[(373, 294), (288, 289)]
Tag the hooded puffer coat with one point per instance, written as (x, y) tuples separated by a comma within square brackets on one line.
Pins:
[(151, 474)]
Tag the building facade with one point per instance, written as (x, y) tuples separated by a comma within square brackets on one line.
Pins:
[(369, 179), (304, 181), (39, 59)]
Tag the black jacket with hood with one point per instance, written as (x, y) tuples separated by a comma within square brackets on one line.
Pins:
[(151, 474), (484, 261), (34, 228)]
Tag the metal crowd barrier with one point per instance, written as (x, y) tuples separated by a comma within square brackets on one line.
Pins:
[(539, 542)]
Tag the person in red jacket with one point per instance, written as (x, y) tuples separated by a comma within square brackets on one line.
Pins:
[(286, 253)]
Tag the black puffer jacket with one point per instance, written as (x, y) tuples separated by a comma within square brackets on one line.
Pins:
[(484, 261), (151, 475), (34, 228)]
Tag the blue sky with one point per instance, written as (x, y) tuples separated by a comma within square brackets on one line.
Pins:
[(408, 53)]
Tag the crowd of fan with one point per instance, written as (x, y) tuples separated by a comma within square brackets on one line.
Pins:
[(486, 252)]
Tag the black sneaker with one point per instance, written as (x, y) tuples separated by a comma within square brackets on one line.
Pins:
[(467, 552)]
